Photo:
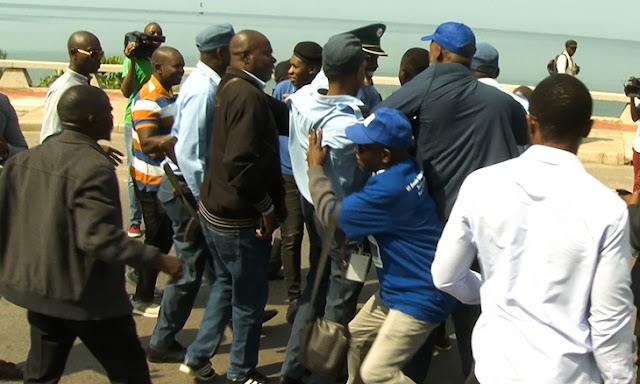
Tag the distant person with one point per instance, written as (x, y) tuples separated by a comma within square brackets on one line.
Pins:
[(194, 111), (485, 66), (394, 212), (136, 70), (634, 109), (152, 112), (333, 108), (11, 138), (554, 280), (305, 64), (523, 91), (414, 61), (85, 53), (281, 71), (564, 62), (241, 204), (463, 125), (70, 275)]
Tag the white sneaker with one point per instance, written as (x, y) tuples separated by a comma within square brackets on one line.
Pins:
[(145, 309)]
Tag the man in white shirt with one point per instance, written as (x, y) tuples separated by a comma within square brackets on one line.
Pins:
[(564, 62), (553, 248), (85, 53)]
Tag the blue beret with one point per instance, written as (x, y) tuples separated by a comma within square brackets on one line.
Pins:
[(214, 36)]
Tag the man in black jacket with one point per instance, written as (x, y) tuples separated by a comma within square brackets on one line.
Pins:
[(241, 200), (62, 248)]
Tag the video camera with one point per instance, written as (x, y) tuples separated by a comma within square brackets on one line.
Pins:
[(632, 87), (144, 43)]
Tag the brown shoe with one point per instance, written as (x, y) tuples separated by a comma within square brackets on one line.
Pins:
[(10, 371)]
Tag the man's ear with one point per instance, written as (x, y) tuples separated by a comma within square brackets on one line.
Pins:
[(587, 128), (532, 127), (386, 156)]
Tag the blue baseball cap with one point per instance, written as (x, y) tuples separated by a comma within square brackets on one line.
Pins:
[(454, 37), (485, 59), (386, 126)]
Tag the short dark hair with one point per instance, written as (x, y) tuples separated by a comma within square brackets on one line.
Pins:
[(79, 102), (414, 61), (562, 106), (281, 70)]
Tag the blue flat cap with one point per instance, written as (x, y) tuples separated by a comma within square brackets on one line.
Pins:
[(342, 54), (485, 59), (214, 36)]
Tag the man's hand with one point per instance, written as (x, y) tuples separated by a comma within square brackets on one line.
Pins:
[(170, 265), (632, 198), (114, 155), (269, 225), (128, 50), (316, 152)]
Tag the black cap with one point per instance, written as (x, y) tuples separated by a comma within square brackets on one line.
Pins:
[(309, 52), (369, 36)]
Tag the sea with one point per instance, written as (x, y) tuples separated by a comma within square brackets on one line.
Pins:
[(35, 31)]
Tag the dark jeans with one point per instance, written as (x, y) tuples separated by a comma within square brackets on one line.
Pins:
[(158, 232), (292, 230), (113, 342), (464, 319), (179, 297), (337, 297), (240, 289)]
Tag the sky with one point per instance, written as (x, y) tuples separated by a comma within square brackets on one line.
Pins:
[(606, 19)]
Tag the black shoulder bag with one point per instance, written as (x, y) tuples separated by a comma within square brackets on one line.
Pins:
[(323, 343)]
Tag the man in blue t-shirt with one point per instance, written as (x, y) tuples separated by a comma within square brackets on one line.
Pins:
[(396, 214)]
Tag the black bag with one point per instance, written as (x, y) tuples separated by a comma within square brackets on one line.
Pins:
[(323, 343)]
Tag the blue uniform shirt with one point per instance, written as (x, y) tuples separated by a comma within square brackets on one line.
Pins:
[(283, 90)]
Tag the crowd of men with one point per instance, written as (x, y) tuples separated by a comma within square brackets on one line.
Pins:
[(430, 185)]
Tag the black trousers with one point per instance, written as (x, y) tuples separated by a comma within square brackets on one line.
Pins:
[(113, 342), (159, 233)]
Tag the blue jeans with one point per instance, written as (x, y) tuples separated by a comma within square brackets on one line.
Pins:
[(135, 212), (337, 297), (178, 298), (240, 290)]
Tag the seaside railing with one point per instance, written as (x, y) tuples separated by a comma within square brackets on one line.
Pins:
[(16, 75)]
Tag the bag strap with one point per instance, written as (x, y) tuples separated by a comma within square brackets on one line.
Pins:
[(324, 255)]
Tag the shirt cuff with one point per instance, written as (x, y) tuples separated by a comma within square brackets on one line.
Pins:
[(265, 206)]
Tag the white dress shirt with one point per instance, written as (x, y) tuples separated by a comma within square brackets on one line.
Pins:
[(553, 247)]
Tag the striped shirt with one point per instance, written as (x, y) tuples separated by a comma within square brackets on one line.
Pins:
[(152, 108)]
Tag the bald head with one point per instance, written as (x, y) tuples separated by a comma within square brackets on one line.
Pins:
[(168, 66), (251, 51), (153, 28), (82, 40), (86, 109)]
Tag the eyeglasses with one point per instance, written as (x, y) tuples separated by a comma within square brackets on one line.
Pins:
[(94, 53)]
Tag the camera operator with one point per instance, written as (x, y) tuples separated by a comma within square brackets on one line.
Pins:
[(136, 70), (631, 89)]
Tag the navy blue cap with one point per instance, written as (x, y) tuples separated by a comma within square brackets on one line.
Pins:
[(454, 37), (386, 126), (214, 36), (485, 59), (369, 36)]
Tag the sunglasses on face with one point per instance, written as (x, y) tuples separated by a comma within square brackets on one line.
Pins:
[(94, 53)]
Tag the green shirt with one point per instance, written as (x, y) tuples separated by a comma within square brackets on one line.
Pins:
[(143, 73)]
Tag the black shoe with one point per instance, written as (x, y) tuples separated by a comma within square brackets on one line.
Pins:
[(203, 374), (253, 377), (288, 380), (173, 354), (269, 314), (292, 309), (276, 274)]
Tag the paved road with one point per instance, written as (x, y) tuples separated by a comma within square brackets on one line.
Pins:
[(82, 368)]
